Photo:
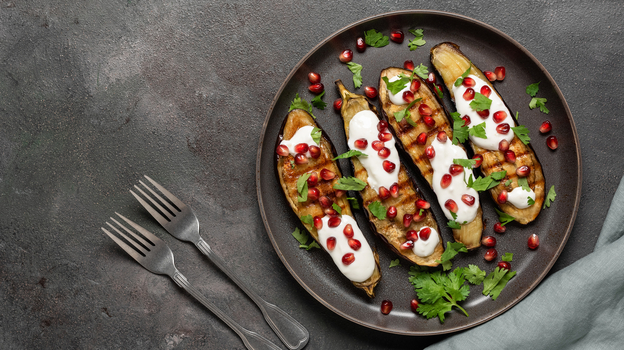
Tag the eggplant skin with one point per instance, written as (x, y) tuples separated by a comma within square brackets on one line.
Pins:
[(470, 233), (451, 63), (390, 231), (288, 173)]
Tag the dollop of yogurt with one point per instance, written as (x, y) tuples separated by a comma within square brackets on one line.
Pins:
[(398, 98), (424, 248), (519, 197), (302, 135), (364, 264), (364, 126)]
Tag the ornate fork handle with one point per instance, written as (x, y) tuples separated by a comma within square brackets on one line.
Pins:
[(291, 332)]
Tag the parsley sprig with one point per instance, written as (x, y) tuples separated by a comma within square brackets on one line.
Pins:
[(550, 197), (378, 210), (350, 184), (303, 239), (439, 292), (418, 40), (351, 153), (299, 103), (375, 39), (540, 102), (356, 69), (318, 103)]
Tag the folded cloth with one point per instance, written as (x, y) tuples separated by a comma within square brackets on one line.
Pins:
[(578, 307)]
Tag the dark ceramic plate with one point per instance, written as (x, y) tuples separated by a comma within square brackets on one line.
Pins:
[(487, 47)]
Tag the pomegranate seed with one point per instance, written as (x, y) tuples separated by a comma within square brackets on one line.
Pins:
[(469, 82), (414, 305), (421, 139), (499, 228), (469, 94), (301, 148), (502, 197), (451, 205), (424, 109), (338, 104), (377, 145), (331, 212), (446, 180), (545, 127), (499, 116), (384, 193), (431, 78), (429, 121), (340, 193), (411, 235), (315, 151), (479, 159), (394, 190), (327, 174), (417, 217), (355, 244), (407, 245), (442, 137), (490, 75), (345, 56), (348, 231), (384, 136), (370, 92), (552, 142), (424, 233), (504, 265), (386, 307), (490, 254), (485, 91), (456, 169), (488, 241), (503, 145), (500, 73), (407, 219), (331, 243), (409, 65), (510, 156), (301, 159), (314, 78), (334, 222), (422, 204), (466, 120), (361, 143), (391, 212), (325, 202), (282, 150), (316, 88), (382, 125), (468, 199), (502, 128), (360, 44), (408, 96), (388, 166), (348, 258), (397, 36), (533, 241), (318, 222), (313, 193), (484, 113), (523, 171), (430, 152), (415, 85)]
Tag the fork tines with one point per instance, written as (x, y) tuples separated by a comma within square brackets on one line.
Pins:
[(137, 246), (159, 213)]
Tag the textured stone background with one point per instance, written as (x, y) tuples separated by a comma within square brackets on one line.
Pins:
[(95, 94)]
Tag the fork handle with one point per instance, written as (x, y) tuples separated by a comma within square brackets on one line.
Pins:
[(292, 333), (252, 340)]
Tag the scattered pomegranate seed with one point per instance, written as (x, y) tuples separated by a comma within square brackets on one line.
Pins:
[(446, 180), (479, 159), (442, 137), (414, 305), (384, 153), (421, 139), (301, 159), (469, 94), (424, 233), (316, 88), (318, 222), (282, 150), (394, 190), (397, 36), (503, 145), (370, 92), (384, 136), (325, 202), (334, 222), (327, 174), (424, 109), (502, 197), (499, 228), (391, 212), (523, 171), (485, 91), (484, 113), (340, 193), (533, 241), (415, 85), (545, 127), (360, 44), (466, 120), (411, 235), (468, 199), (490, 254), (429, 121), (417, 217), (338, 104), (331, 243), (301, 148), (331, 212), (408, 96), (407, 219), (490, 75), (510, 156), (488, 241), (388, 166), (361, 143), (469, 82), (348, 231), (313, 194), (315, 151), (348, 258), (355, 244), (499, 116), (503, 128), (386, 307), (552, 142), (431, 78), (407, 245), (382, 125), (409, 65), (345, 56), (377, 145), (456, 169), (384, 193), (451, 205), (314, 78), (422, 204), (430, 152), (500, 73), (504, 265)]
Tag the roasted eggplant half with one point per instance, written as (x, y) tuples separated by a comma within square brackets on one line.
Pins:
[(425, 134), (308, 175), (521, 192), (390, 197)]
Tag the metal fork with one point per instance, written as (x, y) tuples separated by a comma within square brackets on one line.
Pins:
[(182, 223), (151, 252)]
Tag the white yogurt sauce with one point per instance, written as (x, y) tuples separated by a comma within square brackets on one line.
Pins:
[(444, 155), (398, 98), (519, 197), (424, 248), (364, 264), (364, 126), (303, 135), (463, 107)]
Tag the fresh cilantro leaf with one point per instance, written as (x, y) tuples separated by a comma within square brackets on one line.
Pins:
[(409, 120), (439, 292), (351, 153), (466, 163), (337, 208), (522, 132), (375, 39), (454, 215), (524, 183), (550, 197), (350, 184), (377, 209), (302, 187), (452, 249), (507, 257), (474, 274), (539, 102), (299, 103), (356, 69), (422, 71), (499, 175), (453, 224), (530, 201), (307, 219), (508, 182), (300, 236), (292, 163), (417, 41), (460, 132), (460, 80), (504, 218), (478, 131), (480, 102), (438, 91), (354, 202), (533, 89), (395, 262), (317, 102), (492, 280), (484, 184), (405, 113), (501, 284), (316, 135), (396, 86)]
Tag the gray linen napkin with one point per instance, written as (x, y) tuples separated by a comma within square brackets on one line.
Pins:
[(578, 307)]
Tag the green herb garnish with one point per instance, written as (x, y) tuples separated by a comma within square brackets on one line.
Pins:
[(316, 135), (418, 40), (317, 102), (480, 102), (350, 184), (375, 39), (522, 132), (356, 69), (550, 197), (378, 210), (504, 218), (299, 103), (351, 153)]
